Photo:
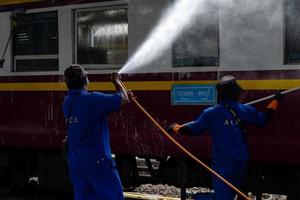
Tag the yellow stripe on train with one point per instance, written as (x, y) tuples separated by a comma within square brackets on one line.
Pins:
[(150, 85), (11, 2)]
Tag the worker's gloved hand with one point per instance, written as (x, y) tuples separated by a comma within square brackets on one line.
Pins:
[(273, 105), (278, 96), (174, 128)]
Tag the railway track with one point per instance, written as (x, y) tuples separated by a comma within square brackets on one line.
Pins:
[(143, 192), (134, 195), (128, 196)]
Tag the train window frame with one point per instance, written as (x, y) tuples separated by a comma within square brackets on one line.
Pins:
[(37, 57), (75, 36), (202, 61), (288, 60)]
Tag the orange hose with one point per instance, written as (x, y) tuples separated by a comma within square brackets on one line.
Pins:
[(181, 147)]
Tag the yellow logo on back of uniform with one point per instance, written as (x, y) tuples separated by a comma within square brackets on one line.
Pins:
[(230, 122)]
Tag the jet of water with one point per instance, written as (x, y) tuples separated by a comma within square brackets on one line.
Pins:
[(176, 19)]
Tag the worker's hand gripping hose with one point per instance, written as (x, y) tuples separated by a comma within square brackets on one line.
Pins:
[(119, 87), (165, 133)]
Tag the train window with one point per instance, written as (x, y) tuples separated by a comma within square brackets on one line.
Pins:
[(102, 37), (292, 32), (199, 45), (35, 43)]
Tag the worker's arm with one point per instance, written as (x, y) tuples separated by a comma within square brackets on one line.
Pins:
[(116, 81), (255, 117), (179, 129), (196, 127)]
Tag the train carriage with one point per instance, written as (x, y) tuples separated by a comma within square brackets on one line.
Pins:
[(257, 42)]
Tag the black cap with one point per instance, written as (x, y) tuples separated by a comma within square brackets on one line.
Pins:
[(75, 77), (228, 88)]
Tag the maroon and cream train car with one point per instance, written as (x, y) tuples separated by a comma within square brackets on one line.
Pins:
[(257, 42)]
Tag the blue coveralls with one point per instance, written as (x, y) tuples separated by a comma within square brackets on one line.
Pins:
[(91, 168), (229, 148)]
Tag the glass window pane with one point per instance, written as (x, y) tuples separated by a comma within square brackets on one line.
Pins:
[(292, 46), (33, 65), (36, 36), (199, 45), (102, 36)]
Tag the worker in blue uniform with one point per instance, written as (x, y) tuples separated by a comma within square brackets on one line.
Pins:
[(91, 168), (226, 124)]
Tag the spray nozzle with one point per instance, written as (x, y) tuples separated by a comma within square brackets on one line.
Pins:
[(115, 77)]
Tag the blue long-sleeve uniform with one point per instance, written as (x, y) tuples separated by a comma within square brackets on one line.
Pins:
[(92, 171), (229, 148)]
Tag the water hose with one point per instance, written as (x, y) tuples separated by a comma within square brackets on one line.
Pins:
[(165, 133), (271, 96)]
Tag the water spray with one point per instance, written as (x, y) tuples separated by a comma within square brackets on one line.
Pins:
[(171, 24), (271, 96), (165, 133)]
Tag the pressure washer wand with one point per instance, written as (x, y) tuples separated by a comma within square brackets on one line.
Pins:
[(271, 96), (180, 146)]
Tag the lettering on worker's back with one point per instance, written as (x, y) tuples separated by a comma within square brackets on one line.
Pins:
[(73, 120), (228, 122)]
